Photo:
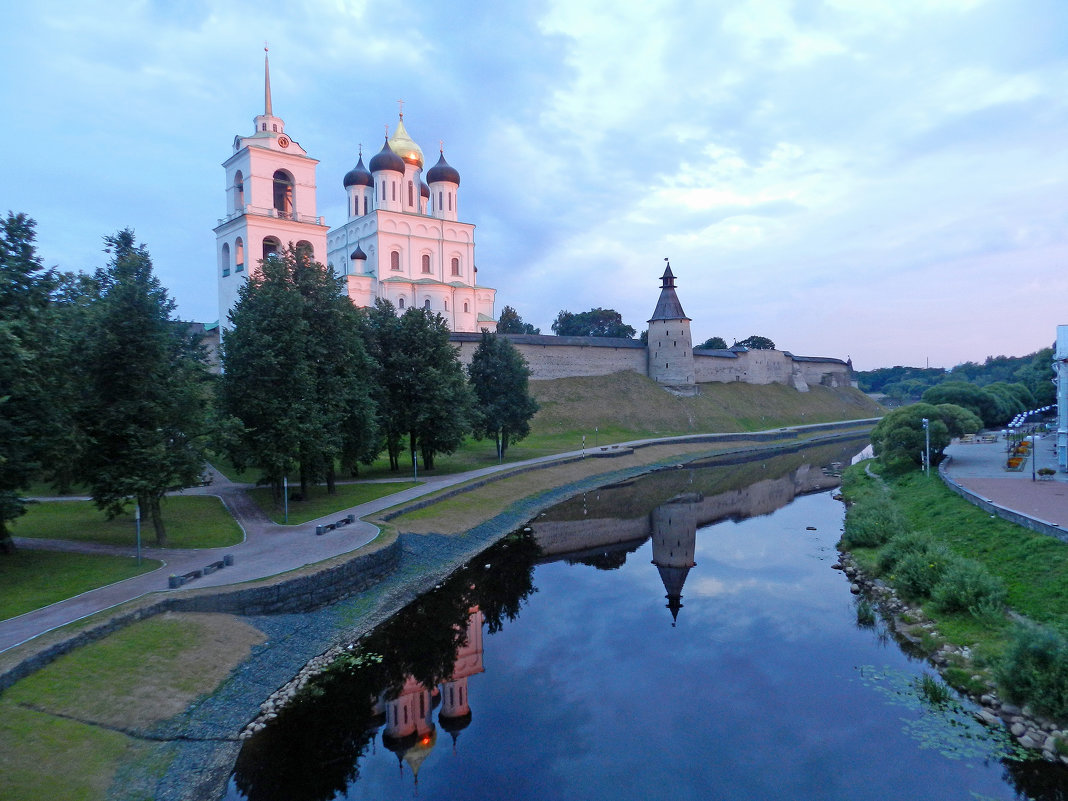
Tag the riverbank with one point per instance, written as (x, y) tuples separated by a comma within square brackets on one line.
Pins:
[(969, 645)]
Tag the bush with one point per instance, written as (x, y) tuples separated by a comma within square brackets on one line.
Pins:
[(967, 585), (901, 546), (917, 574), (872, 523), (1034, 670)]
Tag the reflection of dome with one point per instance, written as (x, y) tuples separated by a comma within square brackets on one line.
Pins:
[(415, 755), (386, 159), (399, 745), (403, 146), (358, 175), (455, 725), (443, 171)]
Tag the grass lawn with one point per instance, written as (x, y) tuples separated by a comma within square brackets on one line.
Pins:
[(320, 503), (192, 521), (33, 579), (142, 674)]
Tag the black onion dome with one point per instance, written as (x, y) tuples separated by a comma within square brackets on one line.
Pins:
[(358, 254), (424, 190), (443, 171), (359, 175), (386, 159)]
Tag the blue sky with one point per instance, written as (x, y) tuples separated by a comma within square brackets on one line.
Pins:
[(882, 179)]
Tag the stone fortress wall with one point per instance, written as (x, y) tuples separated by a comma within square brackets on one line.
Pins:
[(567, 357)]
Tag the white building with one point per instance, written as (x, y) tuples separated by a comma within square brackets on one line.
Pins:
[(402, 241), (1060, 371)]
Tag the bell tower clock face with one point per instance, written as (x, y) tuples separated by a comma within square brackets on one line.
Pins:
[(283, 141)]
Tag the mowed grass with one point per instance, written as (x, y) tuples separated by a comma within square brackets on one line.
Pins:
[(55, 741), (321, 503), (34, 579), (192, 521), (1033, 566)]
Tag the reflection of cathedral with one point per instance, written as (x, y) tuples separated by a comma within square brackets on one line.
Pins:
[(408, 716)]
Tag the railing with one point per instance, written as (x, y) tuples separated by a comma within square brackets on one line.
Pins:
[(259, 211)]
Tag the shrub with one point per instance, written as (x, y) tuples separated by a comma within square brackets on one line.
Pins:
[(917, 573), (965, 586), (1034, 670), (872, 523), (901, 546), (865, 613)]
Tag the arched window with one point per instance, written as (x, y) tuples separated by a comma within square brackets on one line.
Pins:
[(446, 305), (271, 247), (239, 255), (465, 307), (400, 303), (411, 194), (450, 201), (393, 189), (440, 204), (455, 266), (304, 249), (239, 191), (365, 204), (383, 190), (426, 304), (394, 260), (283, 193), (426, 263), (224, 259)]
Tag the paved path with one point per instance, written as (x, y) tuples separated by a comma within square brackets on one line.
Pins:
[(981, 468), (268, 548)]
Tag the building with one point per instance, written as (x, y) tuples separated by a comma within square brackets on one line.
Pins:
[(1060, 370), (403, 240)]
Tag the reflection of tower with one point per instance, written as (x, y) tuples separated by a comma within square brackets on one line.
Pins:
[(410, 732), (455, 714), (674, 527)]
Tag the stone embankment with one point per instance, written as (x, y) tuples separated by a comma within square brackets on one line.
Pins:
[(920, 635)]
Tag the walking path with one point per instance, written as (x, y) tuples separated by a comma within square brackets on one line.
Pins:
[(980, 467)]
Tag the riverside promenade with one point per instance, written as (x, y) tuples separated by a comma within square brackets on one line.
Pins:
[(980, 469)]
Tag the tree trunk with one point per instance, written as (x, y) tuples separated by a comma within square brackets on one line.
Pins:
[(331, 489), (504, 442), (151, 503), (7, 545)]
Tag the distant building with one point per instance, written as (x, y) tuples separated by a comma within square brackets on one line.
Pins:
[(1060, 370), (403, 240)]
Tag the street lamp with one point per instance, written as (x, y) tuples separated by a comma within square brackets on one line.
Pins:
[(927, 446)]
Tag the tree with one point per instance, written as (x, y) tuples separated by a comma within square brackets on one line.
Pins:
[(24, 400), (757, 342), (593, 323), (498, 374), (987, 406), (714, 343), (147, 393), (899, 439), (510, 322)]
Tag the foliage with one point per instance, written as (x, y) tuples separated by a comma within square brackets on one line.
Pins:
[(904, 544), (757, 342), (899, 438), (871, 524), (917, 574), (509, 322), (995, 405), (865, 613), (145, 409), (714, 343), (593, 323), (1034, 669), (967, 586), (499, 374)]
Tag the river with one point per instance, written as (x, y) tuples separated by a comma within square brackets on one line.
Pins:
[(679, 636)]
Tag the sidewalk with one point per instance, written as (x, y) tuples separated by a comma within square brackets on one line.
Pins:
[(981, 469)]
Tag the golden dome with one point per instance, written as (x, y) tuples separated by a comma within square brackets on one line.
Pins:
[(403, 145)]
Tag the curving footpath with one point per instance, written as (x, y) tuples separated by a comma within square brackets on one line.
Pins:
[(269, 548)]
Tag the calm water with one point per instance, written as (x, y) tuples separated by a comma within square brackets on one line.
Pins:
[(681, 636)]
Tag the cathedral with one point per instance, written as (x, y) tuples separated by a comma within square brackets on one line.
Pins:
[(403, 240)]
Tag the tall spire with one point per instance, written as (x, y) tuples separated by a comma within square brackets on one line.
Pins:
[(266, 84)]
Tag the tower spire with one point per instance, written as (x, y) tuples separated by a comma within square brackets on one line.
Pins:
[(267, 112)]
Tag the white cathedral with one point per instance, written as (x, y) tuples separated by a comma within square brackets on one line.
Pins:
[(402, 241)]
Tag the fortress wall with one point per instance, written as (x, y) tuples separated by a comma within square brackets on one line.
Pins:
[(752, 367), (566, 360), (829, 373)]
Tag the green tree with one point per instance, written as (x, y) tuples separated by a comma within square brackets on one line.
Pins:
[(24, 400), (757, 342), (899, 439), (593, 323), (714, 343), (146, 408), (503, 406), (985, 405), (510, 322)]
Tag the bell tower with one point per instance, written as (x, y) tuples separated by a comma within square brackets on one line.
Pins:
[(270, 202)]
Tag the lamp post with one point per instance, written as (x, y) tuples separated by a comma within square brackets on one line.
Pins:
[(137, 526), (927, 445)]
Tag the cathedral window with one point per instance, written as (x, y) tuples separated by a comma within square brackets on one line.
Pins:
[(400, 303), (394, 260), (383, 190), (239, 255), (263, 126), (304, 249), (274, 127), (271, 247), (239, 191), (426, 263), (465, 307), (455, 266), (446, 305), (283, 193), (440, 204), (450, 201), (224, 259), (426, 304), (365, 204), (393, 189), (411, 194)]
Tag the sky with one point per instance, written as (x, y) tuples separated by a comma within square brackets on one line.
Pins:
[(879, 179)]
